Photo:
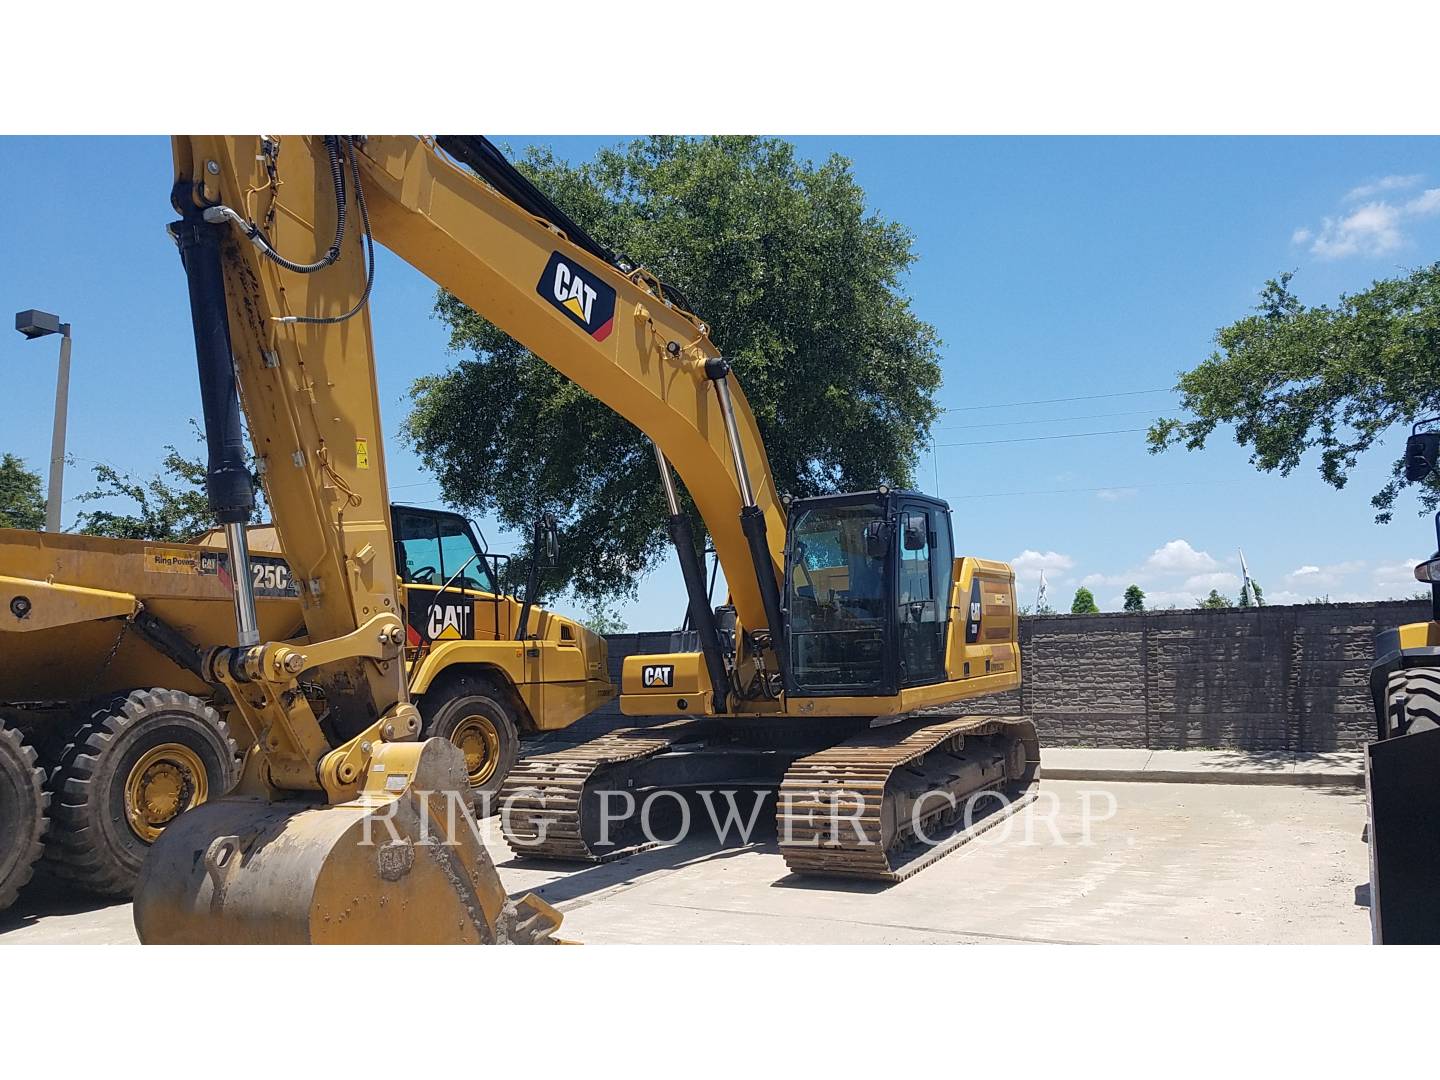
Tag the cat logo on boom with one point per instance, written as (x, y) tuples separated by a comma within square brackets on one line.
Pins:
[(586, 300)]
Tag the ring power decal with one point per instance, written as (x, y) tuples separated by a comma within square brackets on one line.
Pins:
[(584, 299)]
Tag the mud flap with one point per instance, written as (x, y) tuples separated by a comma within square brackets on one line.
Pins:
[(1402, 782)]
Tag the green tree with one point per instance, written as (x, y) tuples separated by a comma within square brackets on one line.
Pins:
[(1134, 598), (801, 287), (22, 506), (1246, 590), (1214, 601), (1292, 378), (171, 505), (600, 617), (1084, 602)]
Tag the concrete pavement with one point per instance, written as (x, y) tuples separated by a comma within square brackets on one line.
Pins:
[(1340, 768), (1088, 862)]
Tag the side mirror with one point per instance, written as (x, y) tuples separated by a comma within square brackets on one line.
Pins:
[(877, 540), (1422, 450)]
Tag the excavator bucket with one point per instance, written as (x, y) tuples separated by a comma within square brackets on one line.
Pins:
[(401, 863)]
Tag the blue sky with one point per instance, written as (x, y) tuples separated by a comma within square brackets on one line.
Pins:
[(1052, 268)]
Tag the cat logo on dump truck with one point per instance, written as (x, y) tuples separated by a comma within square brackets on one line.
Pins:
[(450, 618), (657, 675), (586, 300)]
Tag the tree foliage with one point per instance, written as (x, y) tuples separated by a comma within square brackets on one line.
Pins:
[(1251, 585), (22, 501), (170, 506), (802, 290), (1134, 598), (1214, 601), (1292, 378), (1084, 602)]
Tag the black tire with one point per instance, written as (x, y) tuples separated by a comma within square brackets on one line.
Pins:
[(1421, 688), (459, 710), (95, 841), (23, 802)]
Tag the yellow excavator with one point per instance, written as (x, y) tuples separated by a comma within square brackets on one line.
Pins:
[(829, 680)]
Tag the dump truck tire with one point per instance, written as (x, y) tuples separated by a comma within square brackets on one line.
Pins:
[(142, 759), (1421, 688), (23, 802), (476, 716)]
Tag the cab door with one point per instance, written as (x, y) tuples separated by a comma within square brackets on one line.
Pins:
[(922, 592)]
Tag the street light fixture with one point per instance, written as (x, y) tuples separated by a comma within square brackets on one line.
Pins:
[(35, 324)]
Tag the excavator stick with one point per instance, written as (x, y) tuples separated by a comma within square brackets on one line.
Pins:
[(399, 864)]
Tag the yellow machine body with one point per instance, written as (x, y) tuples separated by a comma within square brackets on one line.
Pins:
[(390, 865), (78, 593), (275, 861)]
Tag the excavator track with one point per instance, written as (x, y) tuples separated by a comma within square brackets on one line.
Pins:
[(853, 810), (549, 803)]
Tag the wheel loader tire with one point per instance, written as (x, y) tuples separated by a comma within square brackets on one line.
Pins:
[(23, 801), (478, 717), (141, 760), (1421, 687)]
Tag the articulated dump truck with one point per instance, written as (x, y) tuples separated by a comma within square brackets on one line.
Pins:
[(110, 728)]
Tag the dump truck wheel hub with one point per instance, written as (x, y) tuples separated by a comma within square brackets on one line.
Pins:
[(167, 780), (478, 739)]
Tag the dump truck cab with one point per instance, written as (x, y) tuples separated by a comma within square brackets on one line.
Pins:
[(511, 667)]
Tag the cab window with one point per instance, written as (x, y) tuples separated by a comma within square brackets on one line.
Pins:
[(459, 554), (417, 548)]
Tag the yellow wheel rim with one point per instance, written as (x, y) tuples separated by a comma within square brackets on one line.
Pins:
[(167, 780), (479, 740)]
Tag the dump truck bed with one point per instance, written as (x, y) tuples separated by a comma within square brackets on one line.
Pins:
[(64, 600)]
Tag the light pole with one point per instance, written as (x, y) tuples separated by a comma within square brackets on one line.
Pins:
[(34, 324)]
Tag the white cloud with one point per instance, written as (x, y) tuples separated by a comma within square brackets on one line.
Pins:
[(1178, 557), (1397, 579), (1310, 576), (1200, 584), (1384, 184), (1424, 204), (1116, 494), (1376, 228), (1028, 564)]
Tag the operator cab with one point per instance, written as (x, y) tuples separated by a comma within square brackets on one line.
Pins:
[(867, 592), (433, 546)]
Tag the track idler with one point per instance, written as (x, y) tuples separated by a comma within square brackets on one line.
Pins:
[(401, 863)]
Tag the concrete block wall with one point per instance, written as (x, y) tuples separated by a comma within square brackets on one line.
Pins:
[(1274, 678)]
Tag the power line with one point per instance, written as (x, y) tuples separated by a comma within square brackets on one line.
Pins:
[(1045, 438), (1106, 487), (1051, 420), (1060, 400)]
